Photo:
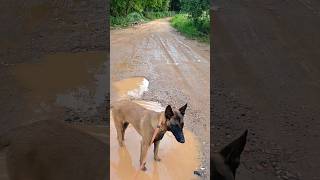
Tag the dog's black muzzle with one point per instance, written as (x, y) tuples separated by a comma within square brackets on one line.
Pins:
[(178, 133)]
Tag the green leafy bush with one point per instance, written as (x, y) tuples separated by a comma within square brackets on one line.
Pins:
[(187, 27), (132, 18), (195, 8), (158, 15), (122, 8)]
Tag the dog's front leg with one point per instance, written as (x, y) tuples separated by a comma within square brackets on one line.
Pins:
[(143, 154), (155, 150)]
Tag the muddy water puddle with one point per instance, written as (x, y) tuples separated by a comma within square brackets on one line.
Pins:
[(178, 161), (129, 88), (69, 80)]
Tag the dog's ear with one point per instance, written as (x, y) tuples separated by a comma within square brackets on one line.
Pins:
[(168, 112), (183, 109), (232, 152)]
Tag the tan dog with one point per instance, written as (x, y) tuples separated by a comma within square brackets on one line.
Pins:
[(145, 122), (49, 150)]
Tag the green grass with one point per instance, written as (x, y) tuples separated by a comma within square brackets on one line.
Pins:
[(132, 18), (137, 18), (189, 29)]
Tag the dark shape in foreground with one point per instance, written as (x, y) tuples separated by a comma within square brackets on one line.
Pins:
[(226, 162)]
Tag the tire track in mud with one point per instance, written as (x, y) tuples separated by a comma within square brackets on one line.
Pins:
[(184, 59)]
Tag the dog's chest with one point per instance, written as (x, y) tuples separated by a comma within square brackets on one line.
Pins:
[(159, 136)]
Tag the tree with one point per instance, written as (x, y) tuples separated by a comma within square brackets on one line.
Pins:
[(195, 8), (175, 5)]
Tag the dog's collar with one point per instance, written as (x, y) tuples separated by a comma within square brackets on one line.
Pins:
[(162, 126), (156, 131)]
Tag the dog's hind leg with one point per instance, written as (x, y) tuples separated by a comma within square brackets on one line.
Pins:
[(119, 128), (143, 153), (155, 150), (124, 127)]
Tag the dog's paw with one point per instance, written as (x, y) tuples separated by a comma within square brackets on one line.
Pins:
[(157, 159), (121, 144), (143, 168)]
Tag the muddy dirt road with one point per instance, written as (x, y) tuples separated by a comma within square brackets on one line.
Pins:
[(266, 78), (177, 70), (52, 64)]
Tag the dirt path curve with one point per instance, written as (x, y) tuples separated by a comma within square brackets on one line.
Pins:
[(178, 71), (266, 78)]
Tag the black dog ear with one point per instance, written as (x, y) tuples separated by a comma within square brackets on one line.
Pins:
[(183, 109), (168, 112), (232, 152)]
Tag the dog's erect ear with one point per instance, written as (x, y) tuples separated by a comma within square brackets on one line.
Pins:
[(232, 152), (183, 109), (168, 112)]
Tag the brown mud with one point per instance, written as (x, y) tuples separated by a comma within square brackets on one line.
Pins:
[(178, 72), (64, 87), (178, 161), (68, 82), (52, 64), (34, 35), (266, 73)]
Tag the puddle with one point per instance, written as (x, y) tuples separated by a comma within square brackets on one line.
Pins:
[(59, 72), (178, 161), (85, 99), (66, 80), (132, 87)]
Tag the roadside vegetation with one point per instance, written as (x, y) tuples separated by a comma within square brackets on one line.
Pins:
[(128, 12), (193, 21), (190, 17)]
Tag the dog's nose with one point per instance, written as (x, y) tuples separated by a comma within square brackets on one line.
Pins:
[(182, 140)]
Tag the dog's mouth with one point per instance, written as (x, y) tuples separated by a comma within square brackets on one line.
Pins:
[(178, 133)]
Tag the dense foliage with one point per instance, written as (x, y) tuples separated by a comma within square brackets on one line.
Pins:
[(186, 26), (175, 5), (198, 13), (195, 8), (121, 8), (192, 17)]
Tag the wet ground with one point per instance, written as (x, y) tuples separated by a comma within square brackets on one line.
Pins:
[(266, 78), (124, 162), (55, 92), (53, 64), (176, 71)]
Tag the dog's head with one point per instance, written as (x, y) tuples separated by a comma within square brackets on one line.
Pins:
[(174, 121), (226, 162)]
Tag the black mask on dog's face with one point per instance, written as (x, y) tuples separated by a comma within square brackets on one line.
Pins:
[(174, 120), (178, 133)]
